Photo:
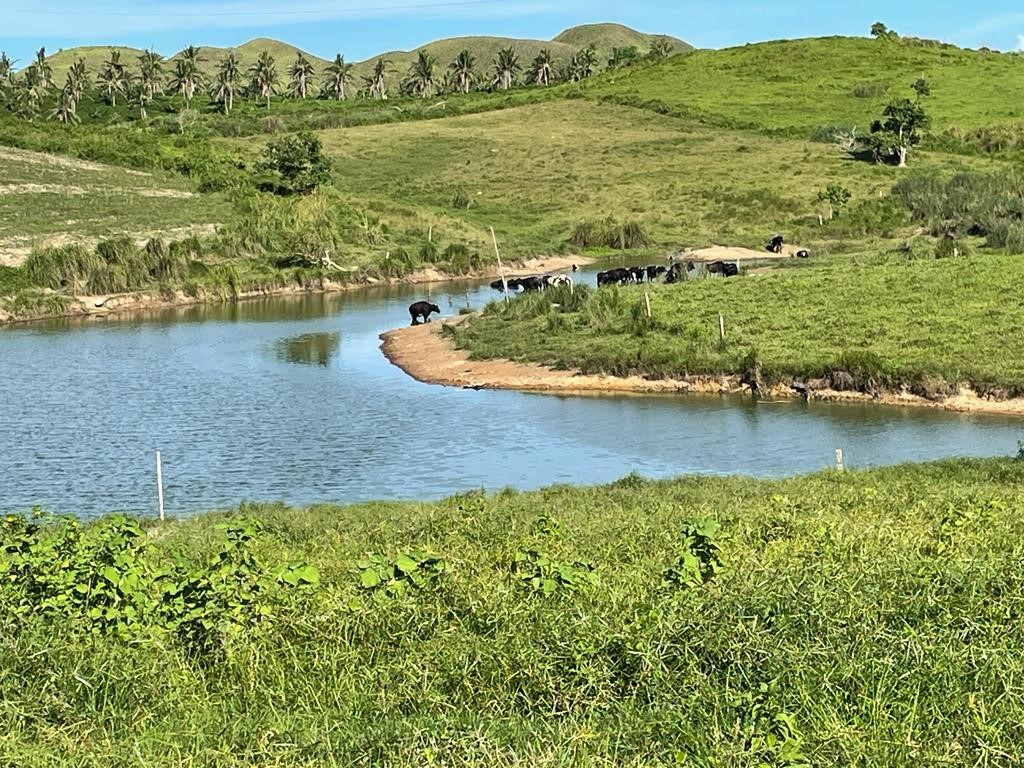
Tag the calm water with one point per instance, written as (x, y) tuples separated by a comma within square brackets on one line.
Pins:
[(291, 399)]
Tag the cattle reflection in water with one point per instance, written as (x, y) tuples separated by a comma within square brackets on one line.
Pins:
[(309, 349)]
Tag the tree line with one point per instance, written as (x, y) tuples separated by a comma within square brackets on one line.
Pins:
[(25, 93)]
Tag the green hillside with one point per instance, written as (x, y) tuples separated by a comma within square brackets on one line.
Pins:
[(802, 85), (604, 37), (247, 53), (94, 56)]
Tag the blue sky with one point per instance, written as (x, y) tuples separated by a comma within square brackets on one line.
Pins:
[(362, 28)]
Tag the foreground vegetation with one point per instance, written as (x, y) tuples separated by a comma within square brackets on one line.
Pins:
[(858, 619)]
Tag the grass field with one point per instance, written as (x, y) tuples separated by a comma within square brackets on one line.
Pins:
[(536, 171), (889, 319), (857, 619), (50, 199)]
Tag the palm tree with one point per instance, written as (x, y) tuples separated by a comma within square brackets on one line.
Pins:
[(44, 69), (150, 71), (225, 85), (337, 75), (66, 110), (187, 75), (77, 81), (301, 74), (461, 72), (542, 69), (113, 78), (263, 75), (29, 93), (376, 84), (582, 65), (506, 67), (420, 80)]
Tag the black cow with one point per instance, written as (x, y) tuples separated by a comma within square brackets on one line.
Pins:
[(677, 273), (803, 254), (775, 246), (619, 276), (724, 268), (532, 283), (654, 271), (422, 309)]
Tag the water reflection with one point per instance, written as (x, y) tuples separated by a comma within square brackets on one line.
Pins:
[(309, 348)]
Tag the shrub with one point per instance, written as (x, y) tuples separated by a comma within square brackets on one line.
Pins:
[(295, 164), (65, 266), (871, 90), (611, 233), (461, 199)]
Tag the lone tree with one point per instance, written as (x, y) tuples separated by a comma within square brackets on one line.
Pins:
[(902, 126), (881, 32), (836, 196)]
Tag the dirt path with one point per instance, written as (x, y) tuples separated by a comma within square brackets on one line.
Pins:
[(730, 253), (425, 355)]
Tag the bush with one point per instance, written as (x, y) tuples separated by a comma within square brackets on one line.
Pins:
[(621, 236), (872, 90), (295, 164)]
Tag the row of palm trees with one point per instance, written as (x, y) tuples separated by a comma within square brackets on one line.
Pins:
[(151, 77)]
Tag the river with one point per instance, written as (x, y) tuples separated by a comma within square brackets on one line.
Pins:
[(291, 399)]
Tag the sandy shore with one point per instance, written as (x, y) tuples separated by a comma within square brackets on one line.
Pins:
[(427, 356), (104, 305)]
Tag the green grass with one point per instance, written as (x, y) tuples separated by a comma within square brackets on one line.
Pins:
[(893, 320), (52, 199), (537, 171), (798, 86), (879, 613)]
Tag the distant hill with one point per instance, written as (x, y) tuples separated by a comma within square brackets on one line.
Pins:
[(604, 37), (94, 56), (247, 53), (484, 50)]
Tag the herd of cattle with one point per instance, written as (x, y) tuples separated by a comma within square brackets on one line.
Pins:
[(675, 272)]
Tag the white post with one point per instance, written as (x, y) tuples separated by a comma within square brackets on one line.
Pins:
[(647, 301), (501, 269), (159, 486), (839, 459), (721, 328)]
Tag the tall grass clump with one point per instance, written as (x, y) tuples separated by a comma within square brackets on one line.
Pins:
[(610, 233), (982, 204), (65, 266)]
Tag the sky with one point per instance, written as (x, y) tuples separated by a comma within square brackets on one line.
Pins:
[(360, 29)]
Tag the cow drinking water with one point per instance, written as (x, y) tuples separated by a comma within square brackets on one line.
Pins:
[(422, 309)]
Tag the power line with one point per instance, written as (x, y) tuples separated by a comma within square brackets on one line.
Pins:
[(210, 14)]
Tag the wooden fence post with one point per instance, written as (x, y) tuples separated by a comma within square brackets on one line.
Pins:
[(721, 328), (159, 486), (501, 269), (647, 301)]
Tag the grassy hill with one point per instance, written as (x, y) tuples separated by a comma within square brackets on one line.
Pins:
[(604, 37), (247, 53), (484, 50), (94, 55), (801, 85)]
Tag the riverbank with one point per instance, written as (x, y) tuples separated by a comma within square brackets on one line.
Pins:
[(429, 356), (623, 624), (110, 304)]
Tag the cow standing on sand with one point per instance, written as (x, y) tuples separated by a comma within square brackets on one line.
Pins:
[(422, 309), (775, 246)]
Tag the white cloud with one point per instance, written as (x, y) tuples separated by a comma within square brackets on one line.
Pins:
[(1020, 42)]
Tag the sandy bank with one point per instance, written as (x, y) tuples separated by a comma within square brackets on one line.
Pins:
[(424, 354)]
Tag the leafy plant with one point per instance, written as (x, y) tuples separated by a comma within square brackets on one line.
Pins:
[(416, 570), (767, 735), (700, 560), (535, 571)]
